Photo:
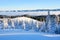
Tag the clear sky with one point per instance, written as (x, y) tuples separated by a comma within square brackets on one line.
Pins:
[(29, 4)]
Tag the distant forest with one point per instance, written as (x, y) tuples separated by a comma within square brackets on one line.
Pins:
[(39, 18)]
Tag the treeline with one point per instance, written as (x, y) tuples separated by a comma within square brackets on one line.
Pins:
[(39, 18)]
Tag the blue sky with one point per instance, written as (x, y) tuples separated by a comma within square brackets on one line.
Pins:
[(29, 4)]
